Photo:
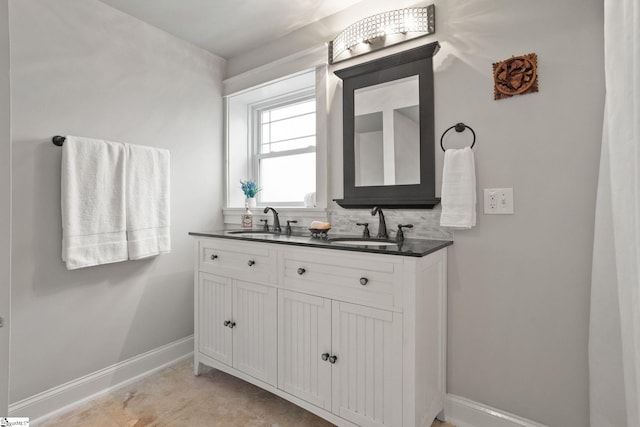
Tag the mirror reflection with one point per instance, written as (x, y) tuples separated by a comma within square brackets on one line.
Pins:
[(387, 133)]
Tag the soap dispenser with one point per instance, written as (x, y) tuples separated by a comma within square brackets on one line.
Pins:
[(247, 217)]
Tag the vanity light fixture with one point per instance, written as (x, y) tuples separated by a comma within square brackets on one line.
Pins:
[(382, 30)]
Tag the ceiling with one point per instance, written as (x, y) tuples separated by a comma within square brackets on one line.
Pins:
[(230, 27)]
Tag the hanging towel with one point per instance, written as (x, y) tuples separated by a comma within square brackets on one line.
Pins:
[(458, 189), (93, 202), (147, 201)]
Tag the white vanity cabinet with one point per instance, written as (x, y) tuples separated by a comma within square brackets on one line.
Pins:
[(235, 319), (357, 338)]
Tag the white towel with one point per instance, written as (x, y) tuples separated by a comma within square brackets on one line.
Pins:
[(93, 202), (147, 205), (458, 189)]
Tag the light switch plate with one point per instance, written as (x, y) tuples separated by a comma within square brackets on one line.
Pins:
[(498, 201)]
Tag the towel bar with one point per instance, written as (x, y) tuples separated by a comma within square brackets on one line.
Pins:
[(459, 127), (58, 140)]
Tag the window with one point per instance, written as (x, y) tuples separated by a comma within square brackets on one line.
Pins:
[(272, 138), (284, 159)]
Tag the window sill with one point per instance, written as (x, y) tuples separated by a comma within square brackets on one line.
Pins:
[(303, 215)]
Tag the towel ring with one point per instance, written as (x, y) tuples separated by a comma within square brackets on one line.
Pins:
[(459, 127)]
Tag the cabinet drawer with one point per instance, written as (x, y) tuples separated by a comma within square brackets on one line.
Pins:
[(366, 280), (246, 261)]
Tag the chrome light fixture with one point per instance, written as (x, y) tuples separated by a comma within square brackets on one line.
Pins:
[(382, 30)]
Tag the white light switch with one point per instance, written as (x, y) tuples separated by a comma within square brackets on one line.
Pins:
[(498, 201)]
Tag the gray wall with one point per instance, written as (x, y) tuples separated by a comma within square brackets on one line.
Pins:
[(5, 205), (518, 284), (80, 67)]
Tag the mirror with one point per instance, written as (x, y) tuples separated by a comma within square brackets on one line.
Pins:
[(388, 131)]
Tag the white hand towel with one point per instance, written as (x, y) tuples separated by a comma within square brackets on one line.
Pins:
[(147, 201), (458, 195), (93, 202)]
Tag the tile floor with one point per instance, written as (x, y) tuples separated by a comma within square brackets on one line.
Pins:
[(175, 397)]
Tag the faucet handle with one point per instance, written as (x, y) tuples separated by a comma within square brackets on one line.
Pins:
[(365, 232), (266, 224), (400, 234), (289, 222)]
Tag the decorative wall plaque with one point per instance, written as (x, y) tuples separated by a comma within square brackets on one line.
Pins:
[(515, 76)]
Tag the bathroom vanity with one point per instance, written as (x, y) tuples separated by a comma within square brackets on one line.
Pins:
[(354, 333)]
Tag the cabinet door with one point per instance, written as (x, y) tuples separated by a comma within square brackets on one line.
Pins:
[(367, 375), (304, 334), (255, 331), (214, 308)]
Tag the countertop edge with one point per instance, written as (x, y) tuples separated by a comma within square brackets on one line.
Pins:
[(431, 245)]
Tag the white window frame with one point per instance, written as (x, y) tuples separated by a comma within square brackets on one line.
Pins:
[(250, 88), (256, 137)]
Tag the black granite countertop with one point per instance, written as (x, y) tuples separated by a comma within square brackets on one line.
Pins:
[(409, 247)]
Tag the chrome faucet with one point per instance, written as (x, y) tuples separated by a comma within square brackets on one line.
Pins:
[(382, 225), (276, 220)]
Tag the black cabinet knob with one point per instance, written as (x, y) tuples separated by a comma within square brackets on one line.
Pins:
[(333, 359), (251, 263), (213, 257), (229, 324), (325, 356), (364, 281), (301, 271)]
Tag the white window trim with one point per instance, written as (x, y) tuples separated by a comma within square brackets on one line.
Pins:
[(321, 138)]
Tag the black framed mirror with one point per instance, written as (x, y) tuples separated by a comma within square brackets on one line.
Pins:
[(388, 131)]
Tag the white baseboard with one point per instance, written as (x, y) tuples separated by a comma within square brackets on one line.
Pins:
[(463, 412), (458, 411), (59, 399)]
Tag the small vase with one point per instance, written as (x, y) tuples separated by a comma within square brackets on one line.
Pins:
[(250, 202)]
